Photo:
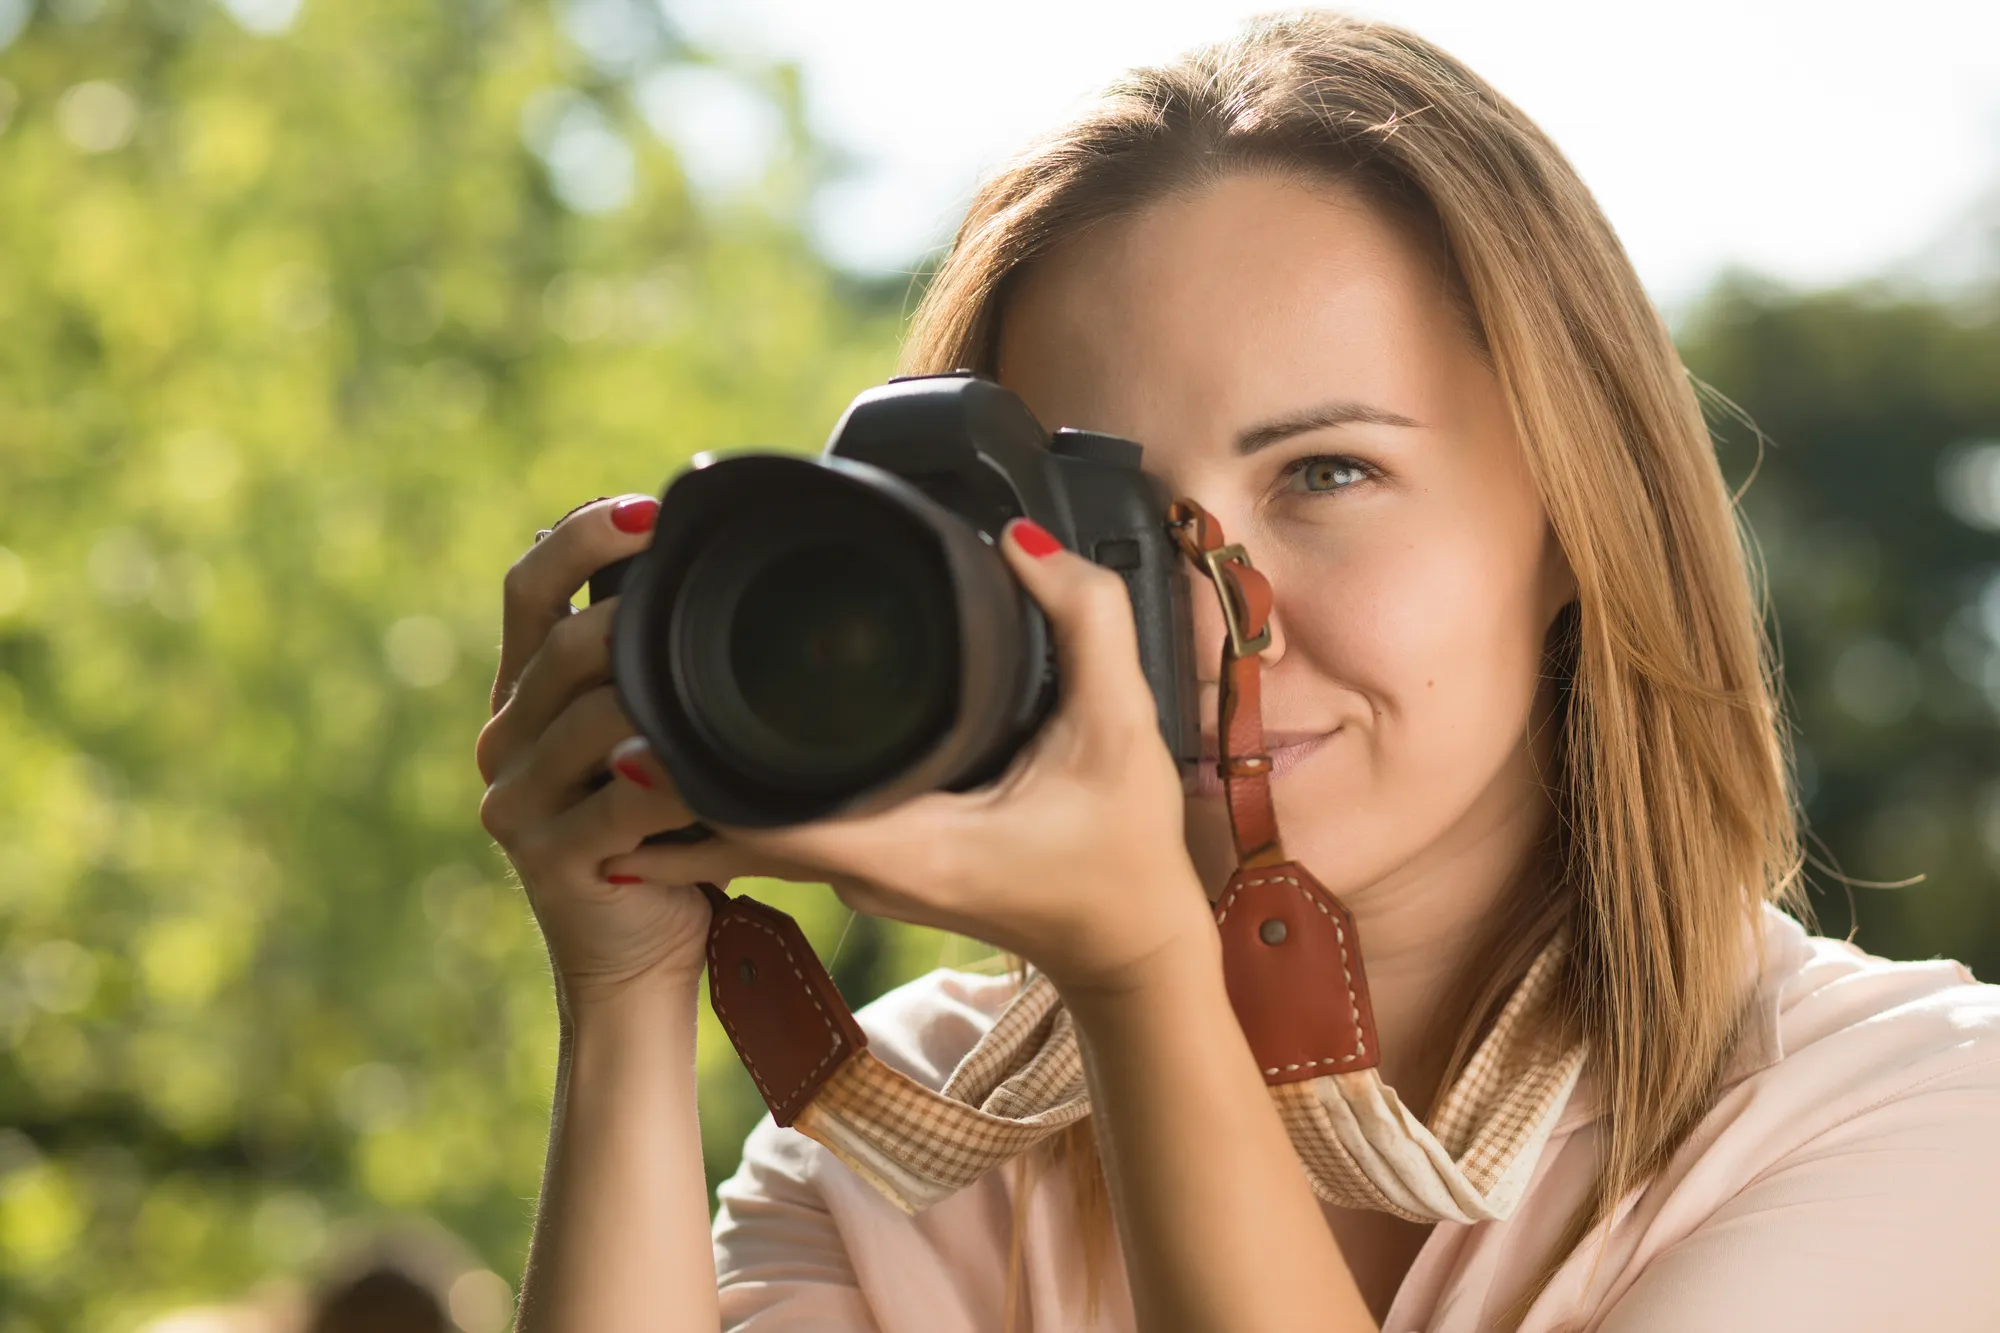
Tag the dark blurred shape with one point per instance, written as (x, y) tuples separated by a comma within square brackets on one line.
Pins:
[(409, 1275), (397, 1278), (379, 1299)]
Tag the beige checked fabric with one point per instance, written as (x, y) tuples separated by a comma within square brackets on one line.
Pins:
[(1360, 1146)]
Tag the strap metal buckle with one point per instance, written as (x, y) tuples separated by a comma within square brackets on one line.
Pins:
[(1234, 612)]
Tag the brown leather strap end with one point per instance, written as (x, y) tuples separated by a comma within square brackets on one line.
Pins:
[(1292, 962), (781, 1010)]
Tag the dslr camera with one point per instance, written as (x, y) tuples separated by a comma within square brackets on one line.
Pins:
[(809, 637)]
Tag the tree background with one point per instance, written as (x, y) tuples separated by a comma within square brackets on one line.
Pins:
[(312, 317)]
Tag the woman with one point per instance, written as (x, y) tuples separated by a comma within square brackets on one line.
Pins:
[(1357, 306)]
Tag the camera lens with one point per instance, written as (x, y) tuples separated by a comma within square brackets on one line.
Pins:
[(831, 650), (817, 650)]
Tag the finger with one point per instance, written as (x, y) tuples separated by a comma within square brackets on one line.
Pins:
[(556, 769), (790, 853), (632, 760), (538, 589), (912, 843), (576, 750), (566, 766), (1090, 613), (718, 861), (573, 658), (612, 822)]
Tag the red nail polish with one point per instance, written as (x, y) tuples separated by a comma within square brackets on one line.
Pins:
[(623, 879), (1033, 538), (629, 769), (635, 515)]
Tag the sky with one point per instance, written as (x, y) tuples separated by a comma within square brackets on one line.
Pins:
[(1814, 142)]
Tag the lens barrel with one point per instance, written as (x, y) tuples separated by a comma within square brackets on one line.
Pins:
[(809, 637), (817, 646)]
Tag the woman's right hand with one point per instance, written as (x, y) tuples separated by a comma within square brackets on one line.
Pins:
[(556, 722)]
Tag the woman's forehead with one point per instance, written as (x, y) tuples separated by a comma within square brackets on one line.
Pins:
[(1253, 296)]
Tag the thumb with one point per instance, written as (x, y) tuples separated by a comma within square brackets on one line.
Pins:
[(1090, 611)]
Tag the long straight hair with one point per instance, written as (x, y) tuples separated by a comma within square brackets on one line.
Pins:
[(1675, 816)]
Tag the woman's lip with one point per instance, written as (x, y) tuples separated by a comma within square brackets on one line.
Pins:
[(1274, 741), (1287, 750)]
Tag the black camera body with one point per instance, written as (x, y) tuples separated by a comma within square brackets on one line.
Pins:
[(811, 637)]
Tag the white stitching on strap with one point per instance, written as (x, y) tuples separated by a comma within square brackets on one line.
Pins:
[(833, 1031), (1346, 968)]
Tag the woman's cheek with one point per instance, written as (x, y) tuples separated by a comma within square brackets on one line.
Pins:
[(1468, 686), (1421, 649), (1351, 647), (1410, 613)]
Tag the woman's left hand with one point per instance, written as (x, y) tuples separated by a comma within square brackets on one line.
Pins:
[(1074, 857)]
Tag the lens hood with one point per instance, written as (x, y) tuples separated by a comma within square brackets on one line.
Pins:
[(811, 637)]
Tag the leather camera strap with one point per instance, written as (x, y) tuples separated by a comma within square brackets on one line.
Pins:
[(1291, 956)]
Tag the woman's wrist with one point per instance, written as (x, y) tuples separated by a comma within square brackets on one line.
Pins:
[(621, 1234), (1217, 1222), (1184, 951), (644, 1004)]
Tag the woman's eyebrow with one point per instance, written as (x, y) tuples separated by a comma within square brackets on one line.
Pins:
[(1316, 418)]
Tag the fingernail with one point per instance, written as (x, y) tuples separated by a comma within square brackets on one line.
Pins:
[(625, 762), (635, 515), (1033, 538), (623, 879)]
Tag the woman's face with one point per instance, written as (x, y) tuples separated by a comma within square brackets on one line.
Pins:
[(1292, 359)]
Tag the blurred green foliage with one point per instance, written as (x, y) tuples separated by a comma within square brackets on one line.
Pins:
[(1873, 473), (310, 324), (307, 333)]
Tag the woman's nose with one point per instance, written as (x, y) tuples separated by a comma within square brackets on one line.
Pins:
[(1211, 628)]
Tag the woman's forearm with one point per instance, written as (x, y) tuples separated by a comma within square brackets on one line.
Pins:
[(1220, 1229), (621, 1241)]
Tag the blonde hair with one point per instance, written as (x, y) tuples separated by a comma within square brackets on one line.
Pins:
[(1675, 817)]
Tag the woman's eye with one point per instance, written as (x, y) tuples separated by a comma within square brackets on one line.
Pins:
[(1323, 473)]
